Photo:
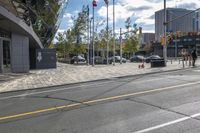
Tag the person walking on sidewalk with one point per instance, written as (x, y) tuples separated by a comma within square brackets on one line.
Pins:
[(194, 57)]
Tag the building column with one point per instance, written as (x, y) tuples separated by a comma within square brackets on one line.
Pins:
[(19, 53), (1, 56)]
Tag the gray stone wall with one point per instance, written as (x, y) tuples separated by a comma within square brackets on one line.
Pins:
[(1, 56), (19, 53)]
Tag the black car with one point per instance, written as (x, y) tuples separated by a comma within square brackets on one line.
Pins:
[(137, 58), (152, 57), (101, 60)]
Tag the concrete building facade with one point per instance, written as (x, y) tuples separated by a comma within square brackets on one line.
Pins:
[(147, 37), (17, 41), (196, 21), (185, 24)]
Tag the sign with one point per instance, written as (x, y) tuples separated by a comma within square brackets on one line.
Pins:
[(39, 56)]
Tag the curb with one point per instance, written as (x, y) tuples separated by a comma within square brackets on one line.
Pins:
[(97, 80)]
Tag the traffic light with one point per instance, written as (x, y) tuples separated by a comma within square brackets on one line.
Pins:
[(162, 40), (169, 39), (140, 30)]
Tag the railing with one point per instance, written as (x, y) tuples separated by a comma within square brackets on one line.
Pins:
[(7, 4)]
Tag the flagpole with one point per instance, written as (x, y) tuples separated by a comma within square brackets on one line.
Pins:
[(165, 36), (93, 38), (107, 45), (120, 37), (88, 32), (114, 32)]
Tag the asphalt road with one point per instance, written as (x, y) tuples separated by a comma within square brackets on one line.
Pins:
[(156, 103)]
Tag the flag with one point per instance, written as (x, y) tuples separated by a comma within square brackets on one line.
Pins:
[(94, 3), (106, 1)]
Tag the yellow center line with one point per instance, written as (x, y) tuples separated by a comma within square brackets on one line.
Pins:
[(94, 101)]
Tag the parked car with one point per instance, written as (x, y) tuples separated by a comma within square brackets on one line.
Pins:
[(117, 59), (101, 60), (137, 58), (152, 57), (77, 59)]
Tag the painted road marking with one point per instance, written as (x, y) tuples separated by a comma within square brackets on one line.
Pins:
[(95, 101), (56, 90), (168, 123), (196, 70)]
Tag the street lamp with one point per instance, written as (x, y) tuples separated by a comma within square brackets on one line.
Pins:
[(88, 34), (90, 47), (107, 43), (165, 28), (94, 5), (120, 37), (114, 32)]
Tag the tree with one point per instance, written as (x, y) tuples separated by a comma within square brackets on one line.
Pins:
[(78, 31), (80, 24), (80, 49), (64, 45), (60, 44), (132, 41), (131, 45), (68, 43), (128, 25)]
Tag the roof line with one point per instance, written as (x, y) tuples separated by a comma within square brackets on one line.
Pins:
[(4, 12)]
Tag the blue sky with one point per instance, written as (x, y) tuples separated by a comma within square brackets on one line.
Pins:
[(141, 12)]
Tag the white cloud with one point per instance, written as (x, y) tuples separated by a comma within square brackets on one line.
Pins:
[(60, 31), (67, 15), (142, 10)]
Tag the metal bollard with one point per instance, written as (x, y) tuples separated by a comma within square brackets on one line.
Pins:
[(190, 63), (183, 63)]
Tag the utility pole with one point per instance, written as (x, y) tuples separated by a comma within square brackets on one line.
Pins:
[(93, 40), (165, 37), (120, 37), (107, 43), (94, 4), (88, 34), (90, 52), (114, 32)]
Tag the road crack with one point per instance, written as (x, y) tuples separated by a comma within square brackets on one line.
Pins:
[(137, 100)]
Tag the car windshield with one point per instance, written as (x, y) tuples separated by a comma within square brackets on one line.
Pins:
[(154, 56), (117, 57)]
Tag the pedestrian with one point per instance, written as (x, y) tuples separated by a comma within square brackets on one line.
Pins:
[(194, 57), (190, 56)]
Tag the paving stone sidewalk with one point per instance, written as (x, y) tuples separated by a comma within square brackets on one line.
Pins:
[(66, 74)]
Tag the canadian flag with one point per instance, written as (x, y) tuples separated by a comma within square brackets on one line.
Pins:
[(94, 3)]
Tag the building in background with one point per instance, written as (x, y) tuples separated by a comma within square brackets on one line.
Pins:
[(184, 24), (196, 21), (147, 38)]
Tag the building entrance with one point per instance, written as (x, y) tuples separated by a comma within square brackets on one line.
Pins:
[(6, 56)]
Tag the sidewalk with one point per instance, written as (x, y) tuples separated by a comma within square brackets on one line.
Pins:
[(66, 74)]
